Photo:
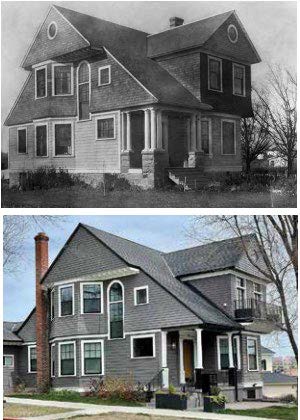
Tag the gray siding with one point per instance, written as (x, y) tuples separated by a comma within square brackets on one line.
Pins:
[(27, 332), (173, 358), (29, 379), (250, 377), (10, 374)]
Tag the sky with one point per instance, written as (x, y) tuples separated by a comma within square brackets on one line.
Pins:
[(270, 25), (165, 233)]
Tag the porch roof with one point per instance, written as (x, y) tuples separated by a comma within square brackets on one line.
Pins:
[(9, 331)]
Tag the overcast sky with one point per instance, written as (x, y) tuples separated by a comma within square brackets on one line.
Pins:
[(165, 233), (271, 26)]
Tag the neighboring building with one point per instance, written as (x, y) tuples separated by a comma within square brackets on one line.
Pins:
[(109, 306), (266, 359), (270, 159), (277, 385), (103, 98)]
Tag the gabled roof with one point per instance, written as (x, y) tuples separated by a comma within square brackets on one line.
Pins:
[(9, 331), (265, 350), (278, 378)]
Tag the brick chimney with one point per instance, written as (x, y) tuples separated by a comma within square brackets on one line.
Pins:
[(175, 21), (42, 343)]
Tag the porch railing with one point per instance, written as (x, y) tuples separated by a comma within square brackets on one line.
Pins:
[(252, 308)]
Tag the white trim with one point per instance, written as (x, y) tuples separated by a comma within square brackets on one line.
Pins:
[(236, 33), (52, 354), (219, 337), (234, 133), (79, 33), (255, 334), (35, 82), (29, 343), (59, 358), (64, 122), (29, 358), (42, 63), (73, 337), (237, 287), (222, 273), (258, 384), (81, 297), (47, 139), (142, 336), (99, 75), (237, 338), (23, 153), (105, 117), (256, 347), (211, 57), (83, 342), (141, 332), (108, 309), (59, 300), (83, 83), (135, 290), (247, 36), (210, 149), (13, 361), (52, 309), (53, 79), (244, 79), (48, 29)]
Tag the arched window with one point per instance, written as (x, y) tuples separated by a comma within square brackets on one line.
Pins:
[(116, 309), (83, 82)]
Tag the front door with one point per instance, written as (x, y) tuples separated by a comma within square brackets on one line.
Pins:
[(188, 359)]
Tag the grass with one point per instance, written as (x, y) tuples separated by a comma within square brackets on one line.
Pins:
[(88, 197), (22, 410), (274, 412), (119, 416)]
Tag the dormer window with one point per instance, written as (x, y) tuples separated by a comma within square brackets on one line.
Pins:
[(215, 74), (62, 79)]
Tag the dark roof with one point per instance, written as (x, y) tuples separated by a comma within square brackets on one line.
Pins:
[(266, 350), (9, 331), (210, 257), (278, 378)]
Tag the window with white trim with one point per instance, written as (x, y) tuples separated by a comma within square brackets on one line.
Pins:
[(238, 79), (205, 136), (8, 360), (257, 294), (215, 74), (63, 144), (52, 357), (32, 359), (66, 300), (41, 82), (91, 298), (104, 76), (236, 352), (41, 140), (116, 310), (52, 304), (83, 75), (62, 79), (223, 352), (142, 346), (141, 295), (105, 128), (67, 359), (22, 141), (252, 353), (228, 137), (52, 30), (240, 293), (92, 353)]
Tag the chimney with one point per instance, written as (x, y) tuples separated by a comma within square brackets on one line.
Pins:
[(175, 21), (42, 333)]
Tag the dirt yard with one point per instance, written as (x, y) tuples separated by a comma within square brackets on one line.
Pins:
[(22, 410)]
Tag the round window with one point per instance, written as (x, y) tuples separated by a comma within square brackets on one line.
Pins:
[(52, 30), (232, 33)]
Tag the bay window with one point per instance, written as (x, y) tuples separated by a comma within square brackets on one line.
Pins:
[(66, 300), (215, 74), (41, 140), (63, 139), (67, 354)]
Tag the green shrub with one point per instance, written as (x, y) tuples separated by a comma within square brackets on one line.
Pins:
[(289, 398), (172, 389), (115, 182), (112, 388), (47, 177), (215, 390)]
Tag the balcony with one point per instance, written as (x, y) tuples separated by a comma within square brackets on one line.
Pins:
[(249, 309)]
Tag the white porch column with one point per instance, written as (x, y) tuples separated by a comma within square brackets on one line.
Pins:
[(230, 349), (147, 129), (165, 134), (193, 133), (181, 362), (159, 129), (128, 130), (153, 129), (188, 134), (164, 363), (199, 139), (123, 125), (199, 353)]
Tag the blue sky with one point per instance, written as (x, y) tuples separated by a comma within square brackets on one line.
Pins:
[(165, 233)]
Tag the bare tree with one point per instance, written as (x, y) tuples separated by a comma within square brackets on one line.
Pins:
[(277, 241)]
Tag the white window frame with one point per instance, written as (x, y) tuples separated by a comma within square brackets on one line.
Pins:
[(48, 29), (59, 300), (219, 337), (211, 57), (135, 290), (53, 79), (47, 139), (13, 361), (28, 359), (256, 346), (234, 131), (52, 357), (59, 359), (99, 75), (20, 129), (46, 82), (83, 83), (83, 342), (210, 151), (244, 79), (241, 287), (81, 298), (108, 309), (105, 117), (70, 122), (238, 350), (236, 31), (132, 337), (52, 304)]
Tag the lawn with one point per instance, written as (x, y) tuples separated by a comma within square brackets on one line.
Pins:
[(81, 196), (22, 410), (119, 416), (274, 412)]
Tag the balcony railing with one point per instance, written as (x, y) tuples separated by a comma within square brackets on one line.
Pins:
[(252, 308)]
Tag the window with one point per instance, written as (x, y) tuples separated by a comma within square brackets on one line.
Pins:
[(252, 353), (238, 80), (66, 298), (228, 137), (232, 34), (105, 128), (63, 139), (62, 79), (32, 362), (91, 298), (205, 136), (264, 364), (141, 295), (41, 141), (22, 141), (8, 360), (52, 304), (52, 360), (215, 74), (240, 293), (104, 76), (40, 82), (116, 310), (223, 352), (83, 75), (142, 346), (67, 359), (236, 352), (92, 357), (52, 30), (257, 293)]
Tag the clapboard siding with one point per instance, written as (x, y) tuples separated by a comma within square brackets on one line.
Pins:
[(10, 373), (27, 332)]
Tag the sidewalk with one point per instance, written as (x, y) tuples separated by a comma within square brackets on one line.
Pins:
[(92, 409)]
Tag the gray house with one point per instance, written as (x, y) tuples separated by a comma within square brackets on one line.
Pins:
[(110, 307)]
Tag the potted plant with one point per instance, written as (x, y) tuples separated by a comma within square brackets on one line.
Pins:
[(171, 399), (215, 401)]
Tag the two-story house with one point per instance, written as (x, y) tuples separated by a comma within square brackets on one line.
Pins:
[(108, 306), (104, 98)]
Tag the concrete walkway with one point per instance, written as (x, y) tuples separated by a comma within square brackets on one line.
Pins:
[(92, 409)]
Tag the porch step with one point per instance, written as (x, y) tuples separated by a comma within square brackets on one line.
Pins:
[(190, 178)]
